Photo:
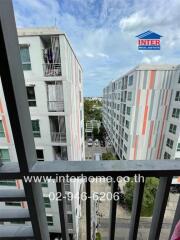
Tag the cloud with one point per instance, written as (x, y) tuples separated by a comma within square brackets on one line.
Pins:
[(102, 33), (154, 59)]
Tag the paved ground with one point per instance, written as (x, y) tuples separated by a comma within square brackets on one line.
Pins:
[(90, 151)]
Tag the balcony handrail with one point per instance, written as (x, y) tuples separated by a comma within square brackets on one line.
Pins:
[(55, 106), (58, 137), (52, 69)]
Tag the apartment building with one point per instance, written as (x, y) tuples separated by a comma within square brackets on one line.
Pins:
[(53, 79), (141, 113)]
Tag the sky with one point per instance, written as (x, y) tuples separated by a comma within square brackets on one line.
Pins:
[(102, 33)]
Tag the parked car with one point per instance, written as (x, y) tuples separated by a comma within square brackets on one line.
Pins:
[(96, 142), (102, 143), (90, 142)]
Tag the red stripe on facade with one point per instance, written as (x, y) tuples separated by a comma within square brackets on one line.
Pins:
[(147, 96), (160, 139), (1, 107), (150, 133), (138, 97), (152, 79), (145, 120), (135, 147), (5, 129)]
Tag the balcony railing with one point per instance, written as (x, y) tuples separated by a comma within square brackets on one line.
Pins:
[(16, 101), (52, 69), (56, 106), (58, 137)]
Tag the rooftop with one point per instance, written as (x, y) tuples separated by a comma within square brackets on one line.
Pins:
[(38, 31)]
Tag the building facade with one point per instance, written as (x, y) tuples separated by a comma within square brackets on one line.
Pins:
[(141, 113), (53, 79)]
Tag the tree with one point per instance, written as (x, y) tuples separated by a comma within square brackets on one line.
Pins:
[(95, 133), (150, 188), (108, 156), (102, 133)]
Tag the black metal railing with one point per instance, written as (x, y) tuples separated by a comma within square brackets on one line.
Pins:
[(17, 105)]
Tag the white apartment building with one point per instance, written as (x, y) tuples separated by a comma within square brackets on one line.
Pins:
[(53, 78), (141, 113)]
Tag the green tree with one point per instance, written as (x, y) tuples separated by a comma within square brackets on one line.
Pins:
[(108, 156), (102, 133), (95, 133), (151, 185)]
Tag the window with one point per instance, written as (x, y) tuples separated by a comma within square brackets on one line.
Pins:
[(129, 97), (179, 79), (169, 143), (176, 112), (177, 97), (172, 128), (49, 220), (126, 136), (4, 155), (178, 147), (8, 183), (125, 148), (127, 124), (128, 110), (130, 80), (47, 202), (40, 154), (25, 57), (44, 183), (67, 187), (167, 155), (36, 128), (69, 218), (18, 204), (31, 96), (1, 129)]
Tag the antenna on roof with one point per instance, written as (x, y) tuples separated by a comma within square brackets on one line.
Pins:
[(55, 21)]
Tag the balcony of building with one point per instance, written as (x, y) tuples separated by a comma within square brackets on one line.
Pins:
[(60, 153), (55, 102), (57, 129), (51, 55)]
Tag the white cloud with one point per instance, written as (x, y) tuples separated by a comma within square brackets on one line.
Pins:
[(153, 59), (90, 55), (103, 55)]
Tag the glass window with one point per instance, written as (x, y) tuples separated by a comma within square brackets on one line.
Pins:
[(128, 110), (127, 124), (40, 154), (178, 147), (167, 155), (25, 57), (44, 183), (8, 183), (67, 187), (130, 80), (47, 202), (31, 96), (69, 218), (129, 97), (1, 129), (49, 220), (177, 97), (176, 112), (172, 128), (18, 204), (36, 128), (169, 143), (4, 155)]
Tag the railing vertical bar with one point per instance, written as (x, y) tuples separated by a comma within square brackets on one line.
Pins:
[(62, 210), (176, 218), (113, 207), (136, 209), (88, 210), (159, 207), (18, 110)]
